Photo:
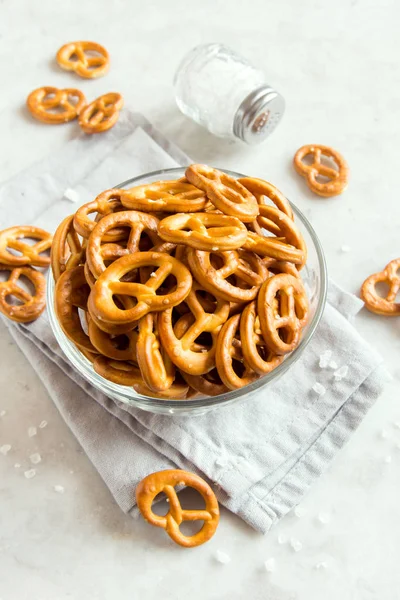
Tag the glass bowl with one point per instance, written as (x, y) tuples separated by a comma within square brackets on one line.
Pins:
[(314, 278)]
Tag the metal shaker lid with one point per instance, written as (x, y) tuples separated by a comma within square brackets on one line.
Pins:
[(258, 115)]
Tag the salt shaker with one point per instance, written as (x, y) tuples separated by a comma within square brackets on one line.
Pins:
[(224, 93)]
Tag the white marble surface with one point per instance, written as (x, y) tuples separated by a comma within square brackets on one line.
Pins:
[(338, 68)]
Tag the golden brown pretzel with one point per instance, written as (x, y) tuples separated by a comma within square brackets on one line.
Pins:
[(246, 266), (204, 231), (117, 371), (263, 189), (283, 310), (32, 306), (157, 369), (66, 310), (101, 301), (116, 347), (337, 178), (228, 350), (179, 348), (101, 114), (73, 57), (252, 343), (135, 222), (274, 220), (165, 481), (273, 248), (30, 254), (66, 248), (383, 306), (209, 384), (177, 391), (107, 202), (54, 106), (168, 196)]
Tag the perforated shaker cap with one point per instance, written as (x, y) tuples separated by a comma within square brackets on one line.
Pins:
[(258, 115)]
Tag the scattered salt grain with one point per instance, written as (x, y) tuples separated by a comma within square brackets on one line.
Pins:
[(299, 512), (324, 518), (29, 474), (32, 431), (295, 544), (333, 365), (222, 557), (341, 373), (43, 424), (35, 458), (325, 358), (319, 389), (214, 248), (220, 462), (270, 565), (321, 565), (388, 459), (3, 413), (171, 411), (345, 248), (5, 449), (281, 539), (71, 195), (17, 466), (152, 274), (59, 489)]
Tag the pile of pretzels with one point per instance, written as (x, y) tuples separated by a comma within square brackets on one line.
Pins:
[(186, 287)]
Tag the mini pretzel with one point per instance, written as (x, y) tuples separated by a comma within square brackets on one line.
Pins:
[(278, 223), (137, 222), (263, 189), (54, 106), (206, 231), (102, 304), (168, 196), (177, 391), (117, 371), (209, 384), (225, 192), (228, 349), (165, 481), (32, 306), (283, 309), (72, 57), (30, 254), (66, 249), (107, 202), (273, 248), (156, 367), (110, 346), (383, 306), (252, 342), (246, 266), (101, 114), (338, 178)]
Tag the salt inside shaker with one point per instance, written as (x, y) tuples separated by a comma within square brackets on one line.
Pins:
[(225, 94)]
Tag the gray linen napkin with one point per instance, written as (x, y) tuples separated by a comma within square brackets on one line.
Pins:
[(262, 454)]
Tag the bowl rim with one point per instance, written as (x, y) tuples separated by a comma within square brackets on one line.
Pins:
[(133, 398)]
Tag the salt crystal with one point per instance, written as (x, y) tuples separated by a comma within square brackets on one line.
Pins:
[(345, 248), (71, 195), (2, 413), (29, 474), (43, 424), (299, 512), (296, 544), (214, 248), (152, 274), (35, 458), (17, 466), (340, 373), (59, 489), (270, 565), (171, 411), (32, 431), (321, 565), (388, 459), (5, 449), (319, 389), (325, 358), (333, 365), (281, 539), (220, 462), (384, 434), (324, 518), (222, 557)]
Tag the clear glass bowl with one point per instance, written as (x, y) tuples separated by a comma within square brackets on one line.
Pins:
[(315, 280)]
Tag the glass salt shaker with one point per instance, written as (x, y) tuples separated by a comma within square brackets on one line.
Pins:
[(225, 94)]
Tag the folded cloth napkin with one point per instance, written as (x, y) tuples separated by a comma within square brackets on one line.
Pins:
[(263, 453)]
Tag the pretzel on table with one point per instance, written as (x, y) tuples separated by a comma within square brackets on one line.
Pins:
[(101, 114), (337, 178), (387, 305), (32, 305), (54, 106), (30, 254), (80, 57)]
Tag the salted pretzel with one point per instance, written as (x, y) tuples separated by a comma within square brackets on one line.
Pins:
[(204, 231), (136, 223), (168, 196), (245, 266), (116, 347), (52, 105), (252, 343), (337, 178), (263, 190), (66, 248), (13, 239), (177, 391), (117, 371), (275, 221), (101, 114), (32, 305), (273, 248), (166, 481), (208, 384), (66, 307), (229, 349), (383, 306), (107, 202), (80, 57), (157, 369), (179, 348), (101, 301), (282, 309), (225, 192)]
